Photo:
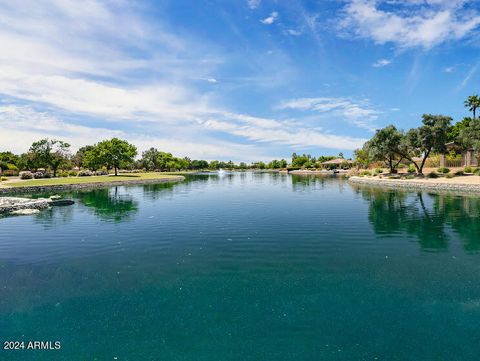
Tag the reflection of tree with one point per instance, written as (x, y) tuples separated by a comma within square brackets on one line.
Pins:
[(425, 216), (108, 203), (310, 182), (463, 215)]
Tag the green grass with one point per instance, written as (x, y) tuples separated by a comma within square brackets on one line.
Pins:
[(84, 180)]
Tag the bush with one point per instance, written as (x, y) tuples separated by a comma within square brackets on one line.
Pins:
[(73, 173), (449, 175), (468, 170), (477, 171), (39, 175), (85, 173), (101, 172), (3, 179), (443, 170), (411, 169), (410, 176), (10, 172), (12, 166), (26, 175), (432, 175), (365, 172), (379, 171), (460, 172), (63, 174)]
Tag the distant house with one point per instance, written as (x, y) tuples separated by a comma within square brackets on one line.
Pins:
[(338, 163), (468, 156)]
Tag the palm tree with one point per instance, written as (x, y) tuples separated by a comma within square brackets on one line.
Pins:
[(472, 103)]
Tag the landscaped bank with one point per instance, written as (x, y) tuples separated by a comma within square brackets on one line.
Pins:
[(53, 184), (461, 184)]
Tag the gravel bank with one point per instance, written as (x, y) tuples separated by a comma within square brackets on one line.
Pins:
[(62, 187), (470, 184)]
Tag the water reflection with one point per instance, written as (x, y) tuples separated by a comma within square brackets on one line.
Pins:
[(434, 219), (112, 204)]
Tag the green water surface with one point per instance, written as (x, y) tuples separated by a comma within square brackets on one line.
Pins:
[(245, 267)]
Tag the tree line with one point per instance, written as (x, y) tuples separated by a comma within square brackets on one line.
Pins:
[(394, 146), (112, 154)]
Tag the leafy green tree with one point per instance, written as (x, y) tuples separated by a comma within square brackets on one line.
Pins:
[(384, 146), (199, 164), (9, 158), (300, 160), (470, 137), (454, 131), (115, 153), (78, 158), (422, 141), (150, 159), (362, 157), (51, 153), (472, 103), (92, 158)]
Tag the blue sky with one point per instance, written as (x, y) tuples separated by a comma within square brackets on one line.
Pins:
[(245, 80)]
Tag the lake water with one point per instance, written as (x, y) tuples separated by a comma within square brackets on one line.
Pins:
[(245, 267)]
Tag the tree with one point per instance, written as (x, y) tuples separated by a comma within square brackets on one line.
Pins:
[(51, 153), (472, 103), (454, 131), (150, 159), (92, 158), (422, 141), (78, 158), (362, 158), (470, 137), (115, 153), (384, 146), (199, 164)]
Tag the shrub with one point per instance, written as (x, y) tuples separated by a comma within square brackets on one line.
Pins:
[(477, 171), (411, 168), (443, 170), (468, 170), (410, 176), (365, 172), (3, 179), (38, 175), (12, 166), (379, 171), (85, 173), (460, 172), (26, 175), (101, 172), (432, 175), (449, 175), (73, 173), (10, 172), (63, 174)]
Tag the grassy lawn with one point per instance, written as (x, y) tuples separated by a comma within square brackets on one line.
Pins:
[(83, 180)]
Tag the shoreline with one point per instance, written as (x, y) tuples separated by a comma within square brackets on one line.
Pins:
[(63, 187), (442, 184)]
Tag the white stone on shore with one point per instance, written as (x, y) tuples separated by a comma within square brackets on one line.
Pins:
[(25, 212), (11, 204)]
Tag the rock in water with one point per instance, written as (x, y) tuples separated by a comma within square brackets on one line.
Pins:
[(63, 202)]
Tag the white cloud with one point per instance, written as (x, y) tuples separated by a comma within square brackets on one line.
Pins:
[(270, 19), (294, 32), (470, 74), (359, 113), (449, 69), (253, 4), (422, 24), (381, 63)]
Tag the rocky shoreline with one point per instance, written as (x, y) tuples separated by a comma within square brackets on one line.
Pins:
[(418, 184), (63, 187), (15, 205)]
